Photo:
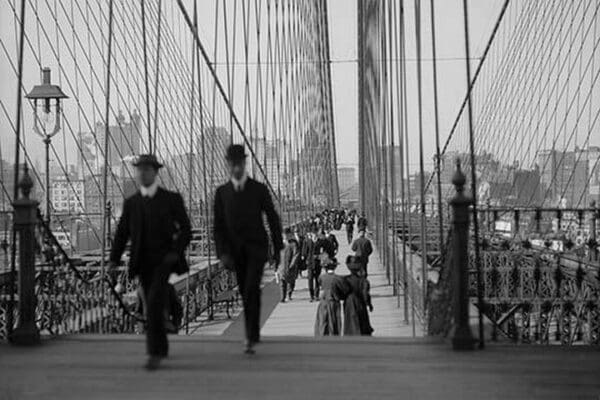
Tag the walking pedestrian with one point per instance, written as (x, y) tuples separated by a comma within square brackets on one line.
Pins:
[(329, 316), (357, 303), (288, 270), (240, 236), (322, 249), (156, 222), (362, 222), (362, 249), (350, 229), (333, 243)]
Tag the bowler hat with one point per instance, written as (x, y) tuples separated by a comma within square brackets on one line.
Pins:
[(235, 152), (147, 159)]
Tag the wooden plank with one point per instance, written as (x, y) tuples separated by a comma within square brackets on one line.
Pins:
[(109, 367)]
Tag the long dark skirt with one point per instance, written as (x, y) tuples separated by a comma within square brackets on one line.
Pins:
[(356, 317), (329, 318)]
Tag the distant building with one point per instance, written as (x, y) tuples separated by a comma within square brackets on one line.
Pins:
[(346, 178), (526, 187), (94, 195), (564, 176), (124, 141), (271, 156), (68, 195)]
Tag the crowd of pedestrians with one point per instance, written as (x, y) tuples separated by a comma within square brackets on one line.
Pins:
[(311, 251)]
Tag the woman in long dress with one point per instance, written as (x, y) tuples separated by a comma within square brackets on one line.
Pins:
[(329, 316), (358, 300), (289, 269)]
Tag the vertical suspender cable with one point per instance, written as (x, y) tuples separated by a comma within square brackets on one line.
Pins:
[(406, 151), (393, 55), (361, 93), (106, 139), (437, 132), (145, 45), (13, 255), (382, 166), (473, 178), (190, 159), (336, 187), (421, 156), (157, 75)]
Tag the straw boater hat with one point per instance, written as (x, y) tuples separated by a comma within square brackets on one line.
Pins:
[(353, 263), (147, 159)]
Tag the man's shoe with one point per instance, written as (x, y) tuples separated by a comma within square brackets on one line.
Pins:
[(153, 363), (283, 300), (249, 347)]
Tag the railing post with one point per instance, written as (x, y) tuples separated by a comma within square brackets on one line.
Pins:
[(593, 243), (25, 220), (463, 338)]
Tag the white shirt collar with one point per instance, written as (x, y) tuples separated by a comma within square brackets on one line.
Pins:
[(149, 191), (238, 184)]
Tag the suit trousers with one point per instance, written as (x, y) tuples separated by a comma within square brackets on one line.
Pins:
[(155, 283), (313, 280), (249, 275), (350, 234), (287, 288)]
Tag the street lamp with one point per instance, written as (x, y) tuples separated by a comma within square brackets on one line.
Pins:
[(46, 123)]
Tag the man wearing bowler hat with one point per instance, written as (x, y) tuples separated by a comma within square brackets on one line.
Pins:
[(159, 228), (240, 236)]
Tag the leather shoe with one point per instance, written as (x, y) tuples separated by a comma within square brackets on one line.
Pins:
[(153, 363), (249, 347)]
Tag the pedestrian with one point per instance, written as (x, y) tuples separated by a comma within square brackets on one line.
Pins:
[(155, 221), (322, 249), (362, 248), (362, 222), (241, 239), (288, 270), (329, 316), (308, 253), (334, 243), (350, 229), (357, 303)]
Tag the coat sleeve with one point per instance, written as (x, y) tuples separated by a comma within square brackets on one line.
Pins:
[(185, 228), (366, 287), (369, 248), (122, 234), (219, 228), (272, 219)]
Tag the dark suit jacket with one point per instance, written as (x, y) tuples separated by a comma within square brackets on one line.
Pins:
[(239, 229), (363, 249), (174, 224)]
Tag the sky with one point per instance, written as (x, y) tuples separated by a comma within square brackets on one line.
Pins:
[(343, 41), (451, 66)]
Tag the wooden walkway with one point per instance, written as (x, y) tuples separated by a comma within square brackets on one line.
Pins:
[(109, 367), (297, 317)]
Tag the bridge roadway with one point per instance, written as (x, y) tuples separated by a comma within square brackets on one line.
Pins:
[(109, 367)]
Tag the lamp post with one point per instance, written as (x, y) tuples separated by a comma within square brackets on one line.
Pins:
[(46, 123)]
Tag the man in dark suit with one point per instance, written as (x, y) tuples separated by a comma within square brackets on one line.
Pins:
[(362, 249), (156, 222), (240, 236)]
